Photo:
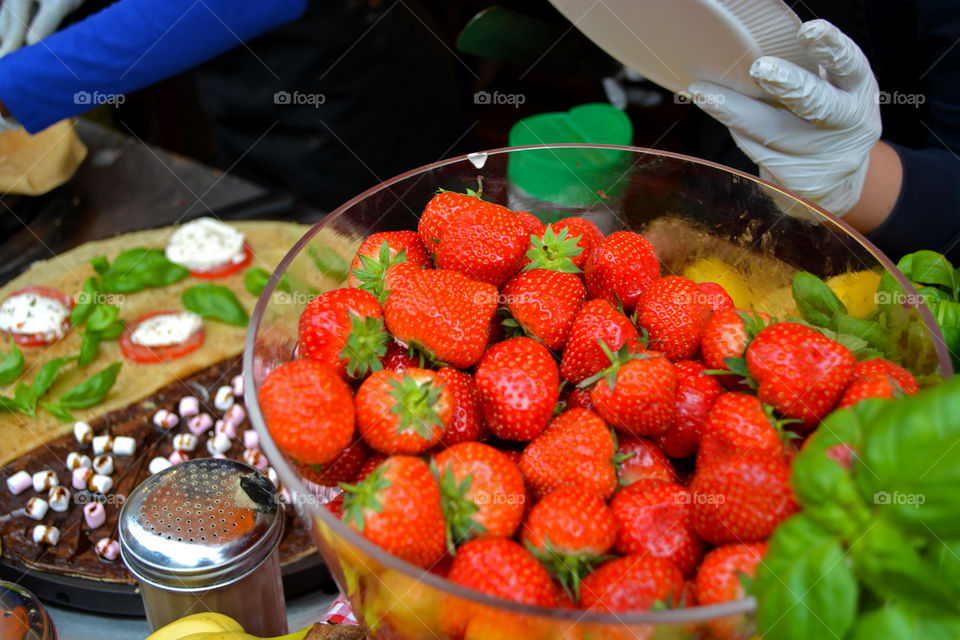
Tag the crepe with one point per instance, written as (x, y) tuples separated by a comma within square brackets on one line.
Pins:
[(31, 165), (270, 241)]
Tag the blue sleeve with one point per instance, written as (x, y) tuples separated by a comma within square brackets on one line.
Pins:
[(127, 46)]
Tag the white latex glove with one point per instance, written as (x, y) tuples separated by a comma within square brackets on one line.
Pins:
[(29, 21), (819, 145)]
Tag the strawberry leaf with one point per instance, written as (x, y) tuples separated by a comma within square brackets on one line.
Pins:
[(416, 403), (554, 251), (366, 344), (357, 498), (458, 510)]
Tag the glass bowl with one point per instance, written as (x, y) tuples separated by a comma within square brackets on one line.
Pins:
[(697, 215)]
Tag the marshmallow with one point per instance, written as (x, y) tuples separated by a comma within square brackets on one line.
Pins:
[(199, 423), (81, 476), (46, 534), (18, 482), (184, 442), (43, 480), (226, 428), (103, 464), (59, 499), (83, 433), (255, 458), (235, 415), (107, 549), (102, 444), (223, 399), (158, 464), (94, 515), (189, 406), (160, 417), (178, 456), (36, 508), (124, 446), (220, 443), (250, 439), (237, 386), (75, 460), (218, 456), (100, 484)]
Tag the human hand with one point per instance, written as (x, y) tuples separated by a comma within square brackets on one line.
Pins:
[(815, 136), (29, 21)]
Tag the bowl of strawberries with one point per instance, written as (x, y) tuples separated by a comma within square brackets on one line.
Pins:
[(573, 421)]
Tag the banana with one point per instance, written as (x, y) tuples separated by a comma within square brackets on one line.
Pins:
[(240, 635), (205, 622)]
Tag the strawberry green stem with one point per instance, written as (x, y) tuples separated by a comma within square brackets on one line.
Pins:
[(458, 510), (357, 498), (415, 403), (554, 251), (371, 272), (366, 344)]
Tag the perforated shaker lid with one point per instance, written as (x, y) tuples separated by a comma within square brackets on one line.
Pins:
[(200, 524)]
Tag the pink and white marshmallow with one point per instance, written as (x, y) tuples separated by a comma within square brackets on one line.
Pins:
[(236, 384), (75, 460), (251, 440), (43, 480), (189, 406), (94, 515), (200, 423), (81, 476), (108, 549), (255, 458), (19, 482), (226, 428)]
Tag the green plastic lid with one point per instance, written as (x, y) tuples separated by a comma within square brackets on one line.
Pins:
[(576, 177)]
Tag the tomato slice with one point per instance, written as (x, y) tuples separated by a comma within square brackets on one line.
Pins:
[(39, 339), (150, 355), (227, 268)]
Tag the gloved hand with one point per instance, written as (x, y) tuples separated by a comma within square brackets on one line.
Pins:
[(819, 145), (31, 21)]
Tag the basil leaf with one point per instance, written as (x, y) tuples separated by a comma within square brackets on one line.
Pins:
[(867, 330), (58, 412), (139, 268), (47, 375), (92, 390), (330, 263), (12, 364), (911, 461), (11, 404), (89, 347), (817, 303), (100, 264), (102, 317), (896, 621), (255, 280), (946, 557), (804, 587), (113, 331), (26, 398), (930, 267), (86, 303), (217, 302)]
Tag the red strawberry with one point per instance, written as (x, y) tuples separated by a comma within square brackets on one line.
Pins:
[(696, 393), (374, 461), (467, 423), (378, 253), (519, 384), (483, 492), (737, 424), (870, 385), (632, 583), (403, 412), (577, 448), (800, 372), (569, 531), (398, 508), (715, 296), (399, 275), (636, 394), (579, 399), (741, 498), (342, 469), (563, 245), (438, 211), (335, 506), (532, 225), (719, 580), (308, 409), (485, 242), (544, 303), (641, 459), (656, 518), (446, 314), (674, 314), (343, 329), (621, 268), (903, 378), (597, 320), (400, 358), (502, 568), (727, 336)]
